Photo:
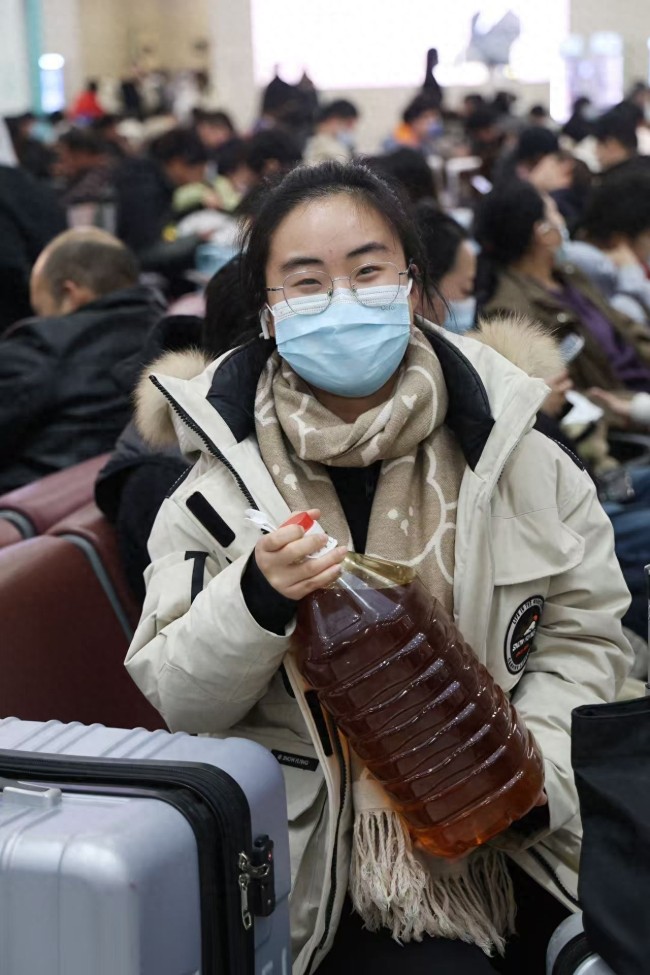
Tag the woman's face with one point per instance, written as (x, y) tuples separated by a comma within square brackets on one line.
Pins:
[(333, 235), (457, 284), (549, 232)]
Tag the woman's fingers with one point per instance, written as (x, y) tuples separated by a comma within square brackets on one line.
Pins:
[(311, 568), (296, 551), (320, 581), (280, 538), (283, 558)]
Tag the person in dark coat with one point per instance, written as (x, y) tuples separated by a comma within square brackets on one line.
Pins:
[(30, 217), (144, 189), (617, 143), (66, 376)]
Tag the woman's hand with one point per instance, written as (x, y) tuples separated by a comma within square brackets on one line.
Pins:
[(620, 406), (281, 557)]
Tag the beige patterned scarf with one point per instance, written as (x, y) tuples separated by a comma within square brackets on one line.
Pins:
[(413, 517), (413, 521)]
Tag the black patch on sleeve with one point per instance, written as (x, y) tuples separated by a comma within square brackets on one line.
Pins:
[(198, 572), (210, 519)]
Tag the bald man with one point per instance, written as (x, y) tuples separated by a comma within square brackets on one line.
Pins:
[(66, 376)]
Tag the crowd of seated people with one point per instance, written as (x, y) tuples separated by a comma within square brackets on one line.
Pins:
[(540, 253)]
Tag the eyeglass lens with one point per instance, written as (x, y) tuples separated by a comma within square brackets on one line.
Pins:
[(309, 292)]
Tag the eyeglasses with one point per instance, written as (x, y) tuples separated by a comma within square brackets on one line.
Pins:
[(310, 292)]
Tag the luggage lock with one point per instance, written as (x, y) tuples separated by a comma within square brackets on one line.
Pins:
[(257, 881)]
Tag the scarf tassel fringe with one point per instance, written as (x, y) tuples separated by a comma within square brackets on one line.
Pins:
[(471, 900)]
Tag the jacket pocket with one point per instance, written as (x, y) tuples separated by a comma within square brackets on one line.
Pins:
[(535, 545)]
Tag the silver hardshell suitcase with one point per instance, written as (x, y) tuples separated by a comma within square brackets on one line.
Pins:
[(140, 853)]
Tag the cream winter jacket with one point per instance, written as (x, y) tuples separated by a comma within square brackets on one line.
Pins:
[(531, 541)]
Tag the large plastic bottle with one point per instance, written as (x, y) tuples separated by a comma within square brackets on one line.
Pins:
[(417, 707)]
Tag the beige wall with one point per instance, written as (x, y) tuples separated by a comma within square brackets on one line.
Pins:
[(116, 32)]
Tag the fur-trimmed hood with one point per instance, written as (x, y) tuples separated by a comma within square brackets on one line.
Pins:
[(524, 343), (153, 414), (518, 340)]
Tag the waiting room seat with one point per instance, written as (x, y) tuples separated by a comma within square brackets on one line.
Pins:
[(35, 507), (62, 647), (93, 535)]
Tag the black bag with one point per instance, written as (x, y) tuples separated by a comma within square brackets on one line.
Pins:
[(611, 761)]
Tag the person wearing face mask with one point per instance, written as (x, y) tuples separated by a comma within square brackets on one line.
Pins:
[(420, 127), (410, 443), (523, 240), (335, 133), (614, 245), (451, 267)]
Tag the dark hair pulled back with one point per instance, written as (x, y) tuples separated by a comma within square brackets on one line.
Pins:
[(505, 221), (504, 226), (306, 184)]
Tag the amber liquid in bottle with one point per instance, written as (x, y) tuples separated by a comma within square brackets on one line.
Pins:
[(416, 705)]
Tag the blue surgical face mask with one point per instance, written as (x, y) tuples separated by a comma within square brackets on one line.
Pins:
[(461, 317), (561, 253), (347, 138), (349, 349)]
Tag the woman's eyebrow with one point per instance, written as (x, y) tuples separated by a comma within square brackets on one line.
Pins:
[(373, 245), (296, 262)]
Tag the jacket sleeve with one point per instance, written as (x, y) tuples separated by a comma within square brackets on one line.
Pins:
[(581, 655), (198, 654), (27, 377)]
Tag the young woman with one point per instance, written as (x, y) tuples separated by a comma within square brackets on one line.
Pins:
[(354, 410), (451, 268), (522, 236)]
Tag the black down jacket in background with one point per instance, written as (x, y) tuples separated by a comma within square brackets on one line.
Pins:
[(66, 383)]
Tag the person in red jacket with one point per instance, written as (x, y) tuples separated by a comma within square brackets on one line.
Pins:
[(87, 105)]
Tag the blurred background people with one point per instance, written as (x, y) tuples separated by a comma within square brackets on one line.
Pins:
[(420, 126), (86, 105), (334, 133)]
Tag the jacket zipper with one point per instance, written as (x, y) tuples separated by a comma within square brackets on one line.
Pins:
[(214, 450), (551, 874), (333, 868)]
